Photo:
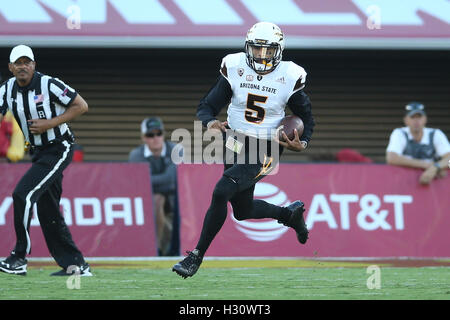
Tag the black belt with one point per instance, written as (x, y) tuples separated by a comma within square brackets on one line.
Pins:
[(65, 137), (50, 143)]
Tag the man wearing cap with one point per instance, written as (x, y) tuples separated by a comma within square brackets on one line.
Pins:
[(418, 146), (42, 106), (156, 151)]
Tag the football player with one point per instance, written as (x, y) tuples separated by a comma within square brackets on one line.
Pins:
[(257, 86)]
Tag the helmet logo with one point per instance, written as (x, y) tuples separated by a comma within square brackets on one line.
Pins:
[(280, 35)]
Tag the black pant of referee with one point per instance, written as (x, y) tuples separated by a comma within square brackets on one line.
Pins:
[(42, 184)]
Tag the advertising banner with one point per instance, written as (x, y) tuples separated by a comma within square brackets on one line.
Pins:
[(352, 210), (107, 206)]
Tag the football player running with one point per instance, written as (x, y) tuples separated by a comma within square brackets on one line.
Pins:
[(257, 86)]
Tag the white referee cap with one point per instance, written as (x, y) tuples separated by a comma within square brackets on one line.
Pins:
[(20, 51)]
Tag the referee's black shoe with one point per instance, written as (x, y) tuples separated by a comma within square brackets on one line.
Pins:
[(189, 265), (14, 265), (83, 271), (296, 220)]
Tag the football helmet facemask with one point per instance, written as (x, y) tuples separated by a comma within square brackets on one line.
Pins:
[(264, 47)]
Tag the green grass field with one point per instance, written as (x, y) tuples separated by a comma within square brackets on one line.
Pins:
[(265, 279)]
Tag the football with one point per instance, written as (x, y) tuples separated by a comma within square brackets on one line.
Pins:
[(288, 124)]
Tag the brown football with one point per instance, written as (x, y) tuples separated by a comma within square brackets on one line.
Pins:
[(289, 123)]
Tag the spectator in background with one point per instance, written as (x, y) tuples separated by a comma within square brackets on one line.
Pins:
[(351, 155), (418, 146), (345, 155), (157, 152), (78, 153)]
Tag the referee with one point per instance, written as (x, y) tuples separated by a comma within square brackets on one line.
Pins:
[(42, 106)]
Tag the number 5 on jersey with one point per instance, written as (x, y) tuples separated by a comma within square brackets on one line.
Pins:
[(255, 113)]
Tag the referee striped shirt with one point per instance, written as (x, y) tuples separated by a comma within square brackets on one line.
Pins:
[(44, 98)]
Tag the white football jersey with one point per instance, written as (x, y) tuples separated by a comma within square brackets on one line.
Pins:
[(258, 101)]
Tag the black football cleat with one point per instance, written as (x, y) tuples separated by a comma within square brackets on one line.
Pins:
[(189, 265), (83, 271), (296, 220), (14, 265)]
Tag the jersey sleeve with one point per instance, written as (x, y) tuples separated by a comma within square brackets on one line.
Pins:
[(297, 74), (229, 64), (441, 143), (3, 103), (60, 92), (223, 68), (397, 142)]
